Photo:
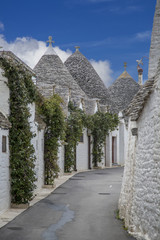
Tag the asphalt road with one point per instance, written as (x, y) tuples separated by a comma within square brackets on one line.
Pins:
[(83, 208)]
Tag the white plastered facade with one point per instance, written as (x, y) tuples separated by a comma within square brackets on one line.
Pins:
[(118, 138), (4, 156), (37, 141), (139, 201), (4, 174)]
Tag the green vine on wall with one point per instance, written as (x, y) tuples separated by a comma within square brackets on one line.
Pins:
[(100, 125), (22, 93), (55, 131), (75, 124)]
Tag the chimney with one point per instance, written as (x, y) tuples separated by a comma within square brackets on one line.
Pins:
[(140, 75)]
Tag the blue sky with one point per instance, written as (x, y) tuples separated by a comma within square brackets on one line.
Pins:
[(108, 31)]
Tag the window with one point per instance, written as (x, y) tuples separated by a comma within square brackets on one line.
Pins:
[(81, 138), (4, 144)]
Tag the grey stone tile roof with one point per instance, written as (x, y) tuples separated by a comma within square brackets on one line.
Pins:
[(17, 61), (50, 72), (87, 78), (54, 77), (4, 123), (123, 90), (137, 104)]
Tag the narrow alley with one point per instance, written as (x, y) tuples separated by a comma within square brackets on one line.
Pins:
[(83, 208)]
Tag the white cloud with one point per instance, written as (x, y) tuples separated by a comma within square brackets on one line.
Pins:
[(30, 50), (63, 54), (142, 36), (104, 70), (1, 26)]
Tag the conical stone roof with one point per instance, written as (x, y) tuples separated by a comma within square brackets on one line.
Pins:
[(51, 71), (123, 90), (87, 78)]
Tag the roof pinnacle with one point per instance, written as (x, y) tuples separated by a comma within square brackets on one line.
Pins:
[(50, 50), (50, 40), (77, 48), (125, 65)]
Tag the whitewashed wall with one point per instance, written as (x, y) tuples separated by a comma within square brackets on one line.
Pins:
[(121, 135), (4, 175), (116, 150), (4, 157), (123, 142), (82, 153), (140, 195), (4, 94), (109, 150), (61, 159), (39, 165), (126, 196), (38, 143)]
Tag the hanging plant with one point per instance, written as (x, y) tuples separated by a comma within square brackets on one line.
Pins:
[(22, 158)]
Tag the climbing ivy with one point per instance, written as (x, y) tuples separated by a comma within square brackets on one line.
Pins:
[(100, 124), (22, 93), (55, 131), (74, 129)]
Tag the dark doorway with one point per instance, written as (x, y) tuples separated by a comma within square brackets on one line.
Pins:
[(89, 152), (75, 158), (105, 154), (114, 146)]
